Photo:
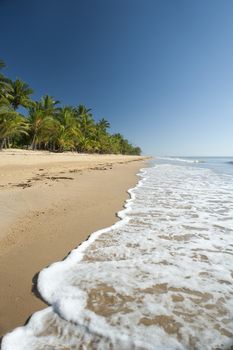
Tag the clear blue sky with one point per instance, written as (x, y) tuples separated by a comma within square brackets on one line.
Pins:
[(160, 71)]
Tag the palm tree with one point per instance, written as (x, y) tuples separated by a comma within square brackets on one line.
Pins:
[(84, 119), (48, 104), (11, 124), (103, 125), (20, 94), (51, 127), (86, 126), (5, 86), (42, 120), (102, 137), (68, 132), (82, 110)]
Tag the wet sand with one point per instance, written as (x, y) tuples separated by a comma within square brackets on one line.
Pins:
[(49, 203)]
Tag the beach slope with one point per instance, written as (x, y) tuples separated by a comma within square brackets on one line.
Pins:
[(49, 203)]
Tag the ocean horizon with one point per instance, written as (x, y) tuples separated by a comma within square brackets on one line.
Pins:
[(115, 233)]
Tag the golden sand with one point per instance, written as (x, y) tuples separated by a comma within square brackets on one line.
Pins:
[(49, 203)]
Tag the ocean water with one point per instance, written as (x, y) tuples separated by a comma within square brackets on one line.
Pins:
[(161, 278)]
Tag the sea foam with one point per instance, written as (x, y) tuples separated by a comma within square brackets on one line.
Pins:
[(161, 278), (176, 159)]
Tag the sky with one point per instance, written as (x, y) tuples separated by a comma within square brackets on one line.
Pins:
[(161, 71)]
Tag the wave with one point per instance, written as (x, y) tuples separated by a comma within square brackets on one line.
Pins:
[(181, 160), (158, 279)]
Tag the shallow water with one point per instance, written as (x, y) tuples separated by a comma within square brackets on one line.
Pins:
[(161, 278), (222, 165)]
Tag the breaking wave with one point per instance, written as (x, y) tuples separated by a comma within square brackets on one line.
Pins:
[(161, 278), (185, 160)]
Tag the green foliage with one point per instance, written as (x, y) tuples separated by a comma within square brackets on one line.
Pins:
[(5, 84), (48, 126), (11, 124), (20, 94)]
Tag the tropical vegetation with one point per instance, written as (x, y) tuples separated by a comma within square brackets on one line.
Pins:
[(47, 125)]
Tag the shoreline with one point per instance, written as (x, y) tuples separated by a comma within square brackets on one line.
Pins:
[(58, 206)]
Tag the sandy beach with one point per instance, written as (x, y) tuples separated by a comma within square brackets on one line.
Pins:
[(49, 204)]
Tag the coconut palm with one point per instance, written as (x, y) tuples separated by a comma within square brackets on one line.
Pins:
[(102, 137), (48, 104), (11, 124), (82, 110), (68, 132), (103, 125), (86, 144), (42, 120), (5, 86), (49, 126), (85, 121), (39, 123), (20, 94)]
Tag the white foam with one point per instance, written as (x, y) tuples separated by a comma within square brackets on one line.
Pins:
[(176, 159), (161, 278)]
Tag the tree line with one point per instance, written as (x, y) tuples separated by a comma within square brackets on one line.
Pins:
[(49, 126)]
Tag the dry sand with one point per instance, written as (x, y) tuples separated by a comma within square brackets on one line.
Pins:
[(49, 203)]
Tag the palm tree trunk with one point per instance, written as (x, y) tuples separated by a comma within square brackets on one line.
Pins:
[(2, 144), (33, 144)]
